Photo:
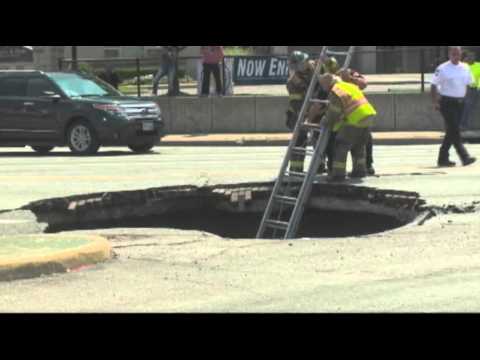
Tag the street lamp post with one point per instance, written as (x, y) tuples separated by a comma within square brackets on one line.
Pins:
[(74, 58)]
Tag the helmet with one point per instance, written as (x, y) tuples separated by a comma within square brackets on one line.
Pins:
[(331, 65), (297, 61), (298, 56)]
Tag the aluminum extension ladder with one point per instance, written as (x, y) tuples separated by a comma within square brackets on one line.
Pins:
[(287, 203)]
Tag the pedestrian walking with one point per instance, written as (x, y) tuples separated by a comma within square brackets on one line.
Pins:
[(212, 57), (168, 67), (449, 88)]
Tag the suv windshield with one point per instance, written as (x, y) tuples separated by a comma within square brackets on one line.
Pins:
[(79, 85)]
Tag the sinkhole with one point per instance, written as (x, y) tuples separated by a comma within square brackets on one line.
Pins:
[(231, 211)]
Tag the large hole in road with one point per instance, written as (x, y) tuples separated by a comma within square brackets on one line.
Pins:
[(230, 211), (315, 224)]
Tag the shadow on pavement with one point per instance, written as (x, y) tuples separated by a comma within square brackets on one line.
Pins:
[(17, 154), (430, 173)]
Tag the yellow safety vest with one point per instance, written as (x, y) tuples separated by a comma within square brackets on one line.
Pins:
[(357, 109), (475, 69)]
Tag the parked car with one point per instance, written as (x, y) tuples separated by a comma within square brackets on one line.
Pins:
[(48, 109)]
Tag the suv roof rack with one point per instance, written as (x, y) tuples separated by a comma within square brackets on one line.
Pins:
[(15, 70)]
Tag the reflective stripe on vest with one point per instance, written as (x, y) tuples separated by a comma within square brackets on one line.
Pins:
[(297, 97), (356, 106)]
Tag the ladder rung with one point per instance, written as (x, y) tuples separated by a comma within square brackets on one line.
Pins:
[(294, 174), (288, 200), (338, 53), (318, 101), (275, 224), (302, 151), (311, 126)]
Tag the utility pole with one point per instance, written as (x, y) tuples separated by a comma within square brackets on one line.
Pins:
[(74, 58)]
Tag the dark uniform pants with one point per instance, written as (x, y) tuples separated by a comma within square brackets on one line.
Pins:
[(208, 70), (354, 140), (330, 152), (452, 111), (297, 162)]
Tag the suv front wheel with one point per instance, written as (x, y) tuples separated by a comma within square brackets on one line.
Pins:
[(141, 149), (81, 138), (42, 150)]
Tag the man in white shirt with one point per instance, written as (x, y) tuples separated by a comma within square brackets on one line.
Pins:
[(449, 88)]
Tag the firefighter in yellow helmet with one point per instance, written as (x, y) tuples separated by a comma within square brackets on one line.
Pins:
[(302, 70), (350, 116)]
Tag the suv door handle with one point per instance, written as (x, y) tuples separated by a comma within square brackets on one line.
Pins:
[(29, 104)]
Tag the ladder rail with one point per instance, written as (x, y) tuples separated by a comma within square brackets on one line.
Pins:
[(306, 189)]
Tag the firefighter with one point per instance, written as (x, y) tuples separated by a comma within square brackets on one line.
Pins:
[(302, 71), (350, 116), (358, 79), (348, 75), (317, 111)]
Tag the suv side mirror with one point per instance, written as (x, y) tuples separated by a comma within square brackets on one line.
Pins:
[(51, 95), (55, 98)]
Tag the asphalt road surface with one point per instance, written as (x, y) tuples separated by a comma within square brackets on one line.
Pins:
[(429, 268)]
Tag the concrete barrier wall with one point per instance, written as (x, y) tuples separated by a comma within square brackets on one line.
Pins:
[(385, 119), (190, 115), (476, 118), (270, 114), (233, 115), (415, 112)]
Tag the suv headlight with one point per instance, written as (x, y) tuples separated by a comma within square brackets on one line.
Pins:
[(159, 111), (111, 109)]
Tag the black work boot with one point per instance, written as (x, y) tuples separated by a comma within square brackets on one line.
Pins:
[(469, 161), (445, 163), (371, 170)]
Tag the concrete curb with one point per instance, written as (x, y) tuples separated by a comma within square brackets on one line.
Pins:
[(28, 266), (283, 139)]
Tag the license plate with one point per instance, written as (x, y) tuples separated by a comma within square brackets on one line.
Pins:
[(148, 126)]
